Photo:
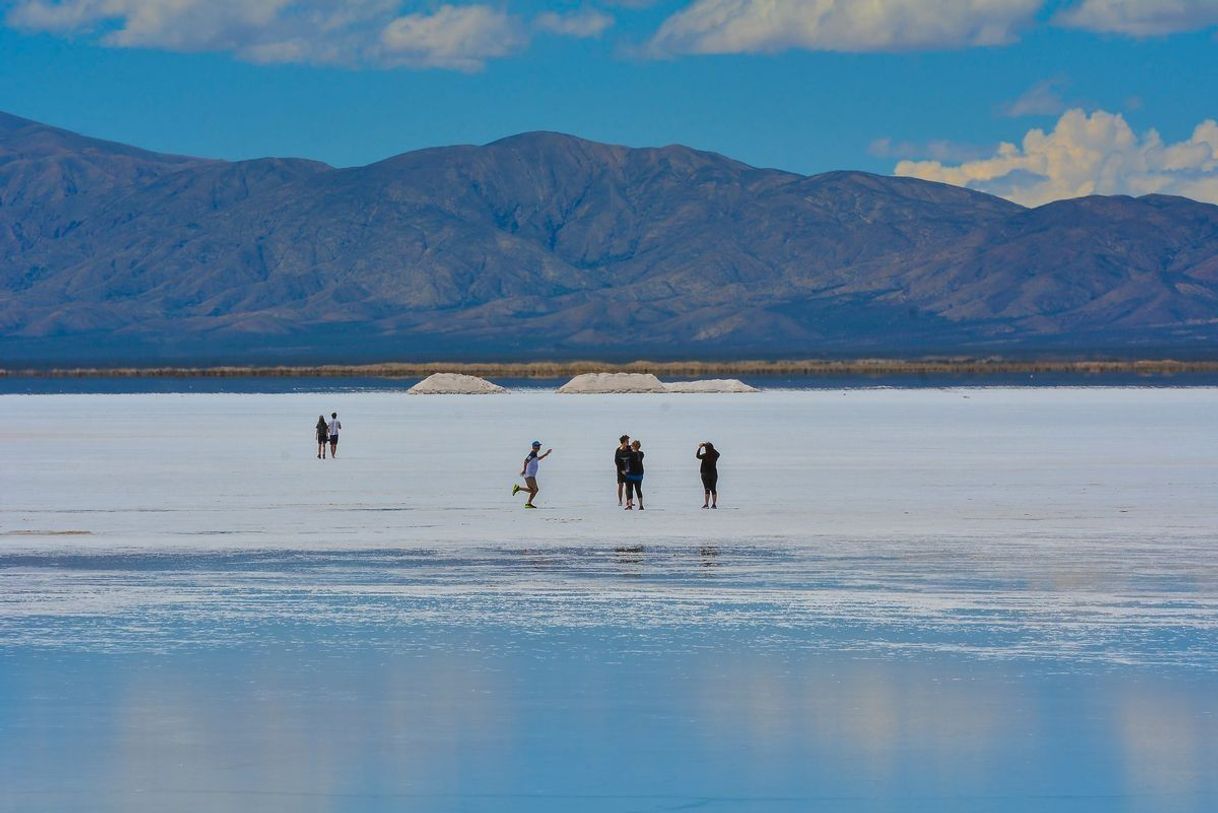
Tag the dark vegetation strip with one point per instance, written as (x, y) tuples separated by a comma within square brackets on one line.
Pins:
[(669, 368)]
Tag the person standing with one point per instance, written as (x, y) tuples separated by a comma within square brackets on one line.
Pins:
[(529, 472), (710, 473), (634, 476), (621, 464), (332, 430), (322, 433)]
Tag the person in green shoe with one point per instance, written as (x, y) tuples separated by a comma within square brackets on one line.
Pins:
[(529, 472)]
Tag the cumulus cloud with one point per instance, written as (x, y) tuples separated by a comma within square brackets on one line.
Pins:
[(347, 32), (748, 26), (1141, 18), (1087, 154), (580, 24)]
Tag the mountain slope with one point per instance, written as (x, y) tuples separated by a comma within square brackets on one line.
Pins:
[(50, 177), (548, 245)]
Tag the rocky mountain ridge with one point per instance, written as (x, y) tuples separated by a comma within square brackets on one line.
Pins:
[(549, 246)]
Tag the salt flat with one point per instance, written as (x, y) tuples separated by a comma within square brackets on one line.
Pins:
[(911, 600), (1067, 523), (238, 471)]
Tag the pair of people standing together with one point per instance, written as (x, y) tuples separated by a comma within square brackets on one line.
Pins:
[(327, 432), (628, 460)]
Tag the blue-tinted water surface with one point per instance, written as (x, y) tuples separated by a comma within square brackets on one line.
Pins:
[(593, 679)]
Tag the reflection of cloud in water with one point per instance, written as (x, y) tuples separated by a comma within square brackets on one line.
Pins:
[(276, 732), (874, 713), (594, 725), (1167, 741)]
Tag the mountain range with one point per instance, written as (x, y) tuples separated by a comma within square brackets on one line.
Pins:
[(544, 245)]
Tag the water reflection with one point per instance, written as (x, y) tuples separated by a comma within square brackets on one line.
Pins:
[(1167, 743), (629, 560), (890, 601), (607, 678), (584, 721)]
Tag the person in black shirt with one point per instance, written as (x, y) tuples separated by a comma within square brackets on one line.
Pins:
[(323, 436), (710, 473), (621, 464), (634, 476)]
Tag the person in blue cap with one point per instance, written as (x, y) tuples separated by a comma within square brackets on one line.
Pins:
[(529, 472)]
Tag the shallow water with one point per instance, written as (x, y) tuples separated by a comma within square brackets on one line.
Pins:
[(931, 600)]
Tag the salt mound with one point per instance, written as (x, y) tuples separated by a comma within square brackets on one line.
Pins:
[(710, 385), (454, 384), (646, 382), (613, 383)]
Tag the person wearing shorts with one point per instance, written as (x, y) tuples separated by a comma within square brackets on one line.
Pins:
[(529, 472), (621, 464), (710, 474), (322, 432), (332, 429)]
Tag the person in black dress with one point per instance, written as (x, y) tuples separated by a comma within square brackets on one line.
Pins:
[(710, 473)]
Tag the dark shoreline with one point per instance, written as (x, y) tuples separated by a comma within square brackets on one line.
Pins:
[(549, 370)]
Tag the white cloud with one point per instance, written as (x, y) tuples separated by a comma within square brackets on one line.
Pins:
[(1141, 18), (582, 24), (179, 24), (347, 32), (748, 26), (457, 37), (1087, 155)]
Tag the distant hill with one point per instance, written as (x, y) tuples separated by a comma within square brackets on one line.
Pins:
[(548, 246)]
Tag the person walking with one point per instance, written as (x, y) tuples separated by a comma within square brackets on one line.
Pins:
[(710, 473), (322, 433), (332, 430), (621, 464), (634, 476), (529, 472)]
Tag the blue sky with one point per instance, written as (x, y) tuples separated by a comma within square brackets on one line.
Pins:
[(921, 87)]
